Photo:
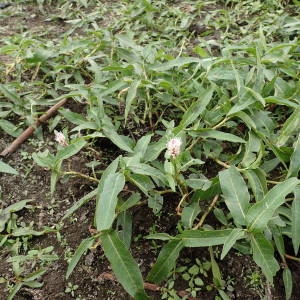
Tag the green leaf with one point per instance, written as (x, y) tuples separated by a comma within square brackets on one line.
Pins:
[(235, 235), (288, 283), (125, 222), (144, 183), (253, 151), (123, 142), (235, 193), (5, 168), (146, 169), (200, 238), (219, 135), (14, 290), (260, 213), (159, 236), (177, 62), (142, 146), (10, 94), (10, 128), (70, 150), (263, 255), (130, 202), (79, 203), (289, 127), (155, 201), (295, 224), (190, 213), (258, 182), (123, 265), (131, 94), (196, 109), (166, 261), (295, 160), (107, 199)]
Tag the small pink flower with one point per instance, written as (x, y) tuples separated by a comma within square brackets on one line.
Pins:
[(173, 147), (60, 138)]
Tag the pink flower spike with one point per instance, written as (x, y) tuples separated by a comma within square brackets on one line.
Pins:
[(60, 138), (173, 147)]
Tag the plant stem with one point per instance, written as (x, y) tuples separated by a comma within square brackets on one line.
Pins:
[(213, 203), (80, 175), (221, 123), (297, 259)]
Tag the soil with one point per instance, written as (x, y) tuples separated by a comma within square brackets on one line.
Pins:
[(46, 210)]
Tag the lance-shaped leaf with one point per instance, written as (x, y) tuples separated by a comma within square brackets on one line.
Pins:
[(107, 200), (260, 213), (84, 245), (195, 110), (235, 235), (235, 193), (200, 238), (263, 255), (123, 265), (288, 283), (5, 168), (70, 150), (190, 213), (218, 135), (166, 261), (295, 160), (289, 127), (258, 182), (131, 96), (296, 220)]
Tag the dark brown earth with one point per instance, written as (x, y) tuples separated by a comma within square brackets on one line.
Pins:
[(33, 183)]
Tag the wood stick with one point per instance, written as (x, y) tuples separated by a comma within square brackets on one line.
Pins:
[(148, 286), (29, 131)]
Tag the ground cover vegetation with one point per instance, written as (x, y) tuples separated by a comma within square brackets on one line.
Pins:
[(170, 170)]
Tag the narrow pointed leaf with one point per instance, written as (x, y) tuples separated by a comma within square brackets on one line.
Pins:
[(190, 213), (219, 135), (196, 109), (258, 182), (123, 265), (166, 261), (70, 150), (131, 96), (79, 203), (235, 193), (263, 255), (260, 213), (84, 246), (289, 127), (5, 168), (288, 283), (107, 200), (235, 235), (200, 238), (125, 222), (296, 220), (295, 160)]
